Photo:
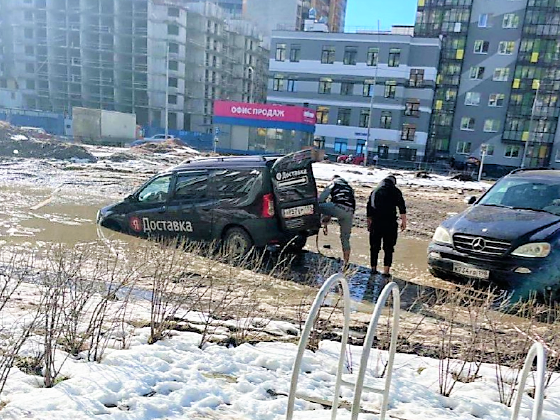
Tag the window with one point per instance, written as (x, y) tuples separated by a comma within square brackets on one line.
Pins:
[(173, 82), (30, 84), (477, 73), (489, 150), (511, 21), (407, 154), (463, 147), (173, 65), (278, 83), (506, 47), (416, 78), (383, 152), (325, 85), (233, 183), (172, 99), (28, 15), (491, 126), (350, 54), (327, 55), (364, 118), (483, 20), (369, 88), (280, 52), (173, 48), (386, 119), (412, 108), (172, 29), (557, 158), (501, 74), (472, 98), (372, 56), (322, 115), (481, 47), (496, 99), (467, 124), (295, 53), (28, 33), (156, 191), (29, 50), (394, 57), (291, 85), (192, 186), (346, 88), (344, 116), (30, 68), (173, 12), (390, 89), (340, 145), (512, 151), (408, 132), (360, 146)]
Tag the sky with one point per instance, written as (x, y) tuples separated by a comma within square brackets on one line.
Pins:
[(364, 14)]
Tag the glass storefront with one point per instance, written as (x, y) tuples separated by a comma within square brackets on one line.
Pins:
[(277, 140)]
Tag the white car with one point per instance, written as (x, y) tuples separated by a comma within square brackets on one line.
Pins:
[(158, 138)]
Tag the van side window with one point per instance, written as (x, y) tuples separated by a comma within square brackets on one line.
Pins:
[(236, 183), (156, 191), (191, 186)]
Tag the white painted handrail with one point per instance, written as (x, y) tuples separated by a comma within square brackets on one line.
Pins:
[(536, 351), (337, 278), (394, 289)]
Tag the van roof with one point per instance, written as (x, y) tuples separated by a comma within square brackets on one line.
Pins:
[(536, 173), (226, 161)]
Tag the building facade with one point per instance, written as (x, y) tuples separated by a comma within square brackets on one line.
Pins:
[(337, 74), (498, 82), (133, 56)]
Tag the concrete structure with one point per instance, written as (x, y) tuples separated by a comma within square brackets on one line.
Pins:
[(496, 56), (113, 55), (336, 74), (226, 60)]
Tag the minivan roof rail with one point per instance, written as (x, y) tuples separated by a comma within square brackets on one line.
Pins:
[(542, 168), (253, 158)]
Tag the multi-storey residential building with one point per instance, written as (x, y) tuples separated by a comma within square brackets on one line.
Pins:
[(488, 81), (233, 8), (334, 11), (136, 56), (338, 73)]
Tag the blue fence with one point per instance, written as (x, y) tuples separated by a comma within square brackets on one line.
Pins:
[(196, 140), (51, 123)]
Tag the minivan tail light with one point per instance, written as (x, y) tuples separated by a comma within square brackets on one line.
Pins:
[(268, 205)]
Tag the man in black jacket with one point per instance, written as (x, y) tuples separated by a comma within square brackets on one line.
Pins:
[(382, 221), (342, 205)]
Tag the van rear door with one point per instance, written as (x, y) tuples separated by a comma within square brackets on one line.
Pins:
[(295, 192)]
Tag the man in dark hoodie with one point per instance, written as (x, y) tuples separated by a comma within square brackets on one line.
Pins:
[(341, 205), (382, 221)]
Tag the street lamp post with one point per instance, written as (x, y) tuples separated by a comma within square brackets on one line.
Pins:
[(532, 130), (370, 117), (167, 92)]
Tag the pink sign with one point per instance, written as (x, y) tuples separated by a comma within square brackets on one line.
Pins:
[(266, 112)]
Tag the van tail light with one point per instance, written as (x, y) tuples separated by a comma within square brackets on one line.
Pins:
[(268, 206)]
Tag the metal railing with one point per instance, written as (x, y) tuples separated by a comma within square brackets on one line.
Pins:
[(538, 352)]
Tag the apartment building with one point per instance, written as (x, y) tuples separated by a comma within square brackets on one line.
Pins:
[(135, 56), (498, 81), (234, 8), (342, 76)]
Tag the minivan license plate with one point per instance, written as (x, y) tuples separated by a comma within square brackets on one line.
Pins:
[(470, 271), (298, 211)]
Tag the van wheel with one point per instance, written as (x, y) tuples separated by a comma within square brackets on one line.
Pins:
[(237, 242)]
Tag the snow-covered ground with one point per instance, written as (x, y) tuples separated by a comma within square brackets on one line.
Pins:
[(355, 173), (174, 379)]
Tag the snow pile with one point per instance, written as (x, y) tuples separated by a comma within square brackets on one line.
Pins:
[(354, 173), (174, 379)]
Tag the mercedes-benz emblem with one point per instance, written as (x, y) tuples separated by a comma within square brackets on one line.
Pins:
[(479, 244)]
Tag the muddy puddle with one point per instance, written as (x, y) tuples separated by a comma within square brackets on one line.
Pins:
[(36, 213)]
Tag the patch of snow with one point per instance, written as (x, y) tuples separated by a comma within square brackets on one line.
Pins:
[(18, 137)]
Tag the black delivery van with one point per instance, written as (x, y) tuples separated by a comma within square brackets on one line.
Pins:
[(509, 237), (244, 201)]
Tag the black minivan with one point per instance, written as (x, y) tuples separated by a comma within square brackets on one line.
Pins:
[(510, 237), (245, 201)]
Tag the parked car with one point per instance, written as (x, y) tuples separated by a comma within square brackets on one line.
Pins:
[(242, 201), (356, 160), (510, 237), (158, 138)]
